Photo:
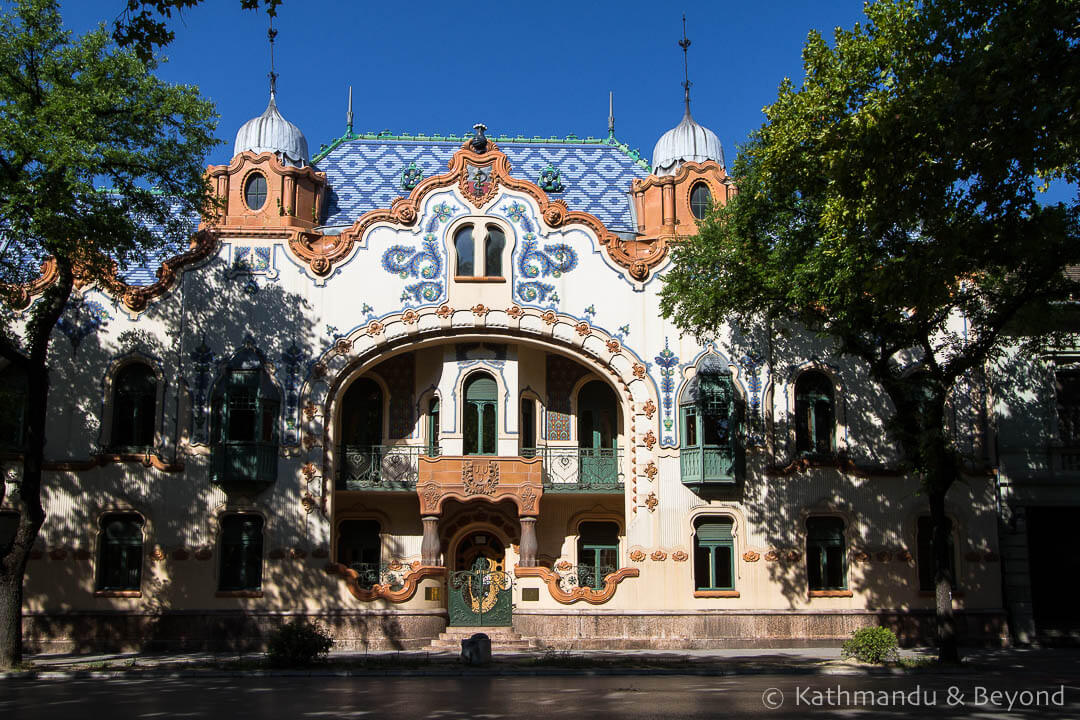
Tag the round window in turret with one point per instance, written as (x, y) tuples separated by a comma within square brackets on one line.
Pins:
[(700, 200), (255, 191)]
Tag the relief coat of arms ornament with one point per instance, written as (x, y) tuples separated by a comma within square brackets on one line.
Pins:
[(480, 478)]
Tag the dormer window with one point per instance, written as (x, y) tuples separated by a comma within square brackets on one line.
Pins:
[(255, 191), (479, 252), (700, 200)]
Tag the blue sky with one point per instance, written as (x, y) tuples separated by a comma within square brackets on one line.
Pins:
[(519, 67)]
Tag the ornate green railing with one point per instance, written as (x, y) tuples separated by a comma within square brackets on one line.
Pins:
[(570, 469), (244, 463), (380, 574), (586, 576), (380, 467)]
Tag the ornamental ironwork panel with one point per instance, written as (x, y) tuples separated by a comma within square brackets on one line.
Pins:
[(480, 596), (570, 469), (380, 467)]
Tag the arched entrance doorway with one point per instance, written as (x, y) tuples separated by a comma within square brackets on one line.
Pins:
[(479, 584)]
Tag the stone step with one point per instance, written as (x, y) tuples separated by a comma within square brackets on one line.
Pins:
[(503, 639), (441, 645)]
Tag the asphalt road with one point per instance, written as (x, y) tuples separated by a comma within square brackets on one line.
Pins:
[(640, 697)]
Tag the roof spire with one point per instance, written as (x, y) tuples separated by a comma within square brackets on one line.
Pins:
[(348, 114), (611, 114), (271, 34), (685, 45)]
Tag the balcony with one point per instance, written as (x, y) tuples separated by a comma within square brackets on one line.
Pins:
[(381, 467), (244, 465), (582, 470), (707, 466)]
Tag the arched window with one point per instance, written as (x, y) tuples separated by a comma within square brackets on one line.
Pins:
[(714, 554), (480, 426), (598, 552), (12, 408), (710, 421), (463, 245), (479, 254), (360, 548), (255, 191), (700, 200), (361, 435), (241, 553), (433, 427), (244, 425), (134, 405), (826, 567), (815, 414), (120, 553), (598, 414)]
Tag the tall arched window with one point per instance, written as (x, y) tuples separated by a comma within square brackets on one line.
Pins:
[(815, 414), (12, 408), (710, 421), (361, 435), (700, 200), (134, 405), (479, 252), (120, 553), (433, 427), (241, 553), (244, 424), (598, 414), (480, 421), (826, 568)]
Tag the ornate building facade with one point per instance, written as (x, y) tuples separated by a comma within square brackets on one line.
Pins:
[(417, 383)]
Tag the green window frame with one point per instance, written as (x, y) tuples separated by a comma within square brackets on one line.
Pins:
[(924, 556), (480, 423), (714, 554), (120, 552), (826, 566), (433, 427), (598, 552), (710, 421), (700, 200), (244, 427), (13, 399), (359, 547), (815, 414), (241, 553), (134, 407)]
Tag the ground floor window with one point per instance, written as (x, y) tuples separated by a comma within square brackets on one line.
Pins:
[(925, 555), (714, 554), (359, 547), (241, 552), (598, 552), (120, 553), (825, 567)]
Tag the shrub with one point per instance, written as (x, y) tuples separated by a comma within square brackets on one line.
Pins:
[(298, 642), (872, 645)]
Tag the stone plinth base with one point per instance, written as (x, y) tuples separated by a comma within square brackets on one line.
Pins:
[(222, 631), (671, 630)]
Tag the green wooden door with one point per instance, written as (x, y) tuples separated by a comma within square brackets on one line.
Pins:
[(479, 589), (597, 435)]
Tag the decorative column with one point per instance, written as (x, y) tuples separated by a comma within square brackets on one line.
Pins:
[(429, 548), (527, 556)]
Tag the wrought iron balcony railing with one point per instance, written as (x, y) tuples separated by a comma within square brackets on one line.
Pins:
[(380, 467), (586, 576), (570, 469)]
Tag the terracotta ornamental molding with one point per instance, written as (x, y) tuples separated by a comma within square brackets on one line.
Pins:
[(588, 594), (405, 591), (477, 477)]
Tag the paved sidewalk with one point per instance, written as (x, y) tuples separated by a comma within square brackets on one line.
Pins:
[(614, 662)]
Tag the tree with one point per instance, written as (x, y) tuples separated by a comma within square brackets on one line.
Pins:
[(141, 25), (891, 205), (75, 113)]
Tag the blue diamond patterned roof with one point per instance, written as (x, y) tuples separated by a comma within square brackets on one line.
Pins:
[(146, 272), (365, 174)]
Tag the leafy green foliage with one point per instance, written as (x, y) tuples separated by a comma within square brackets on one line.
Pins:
[(297, 643), (891, 204), (141, 27), (872, 645)]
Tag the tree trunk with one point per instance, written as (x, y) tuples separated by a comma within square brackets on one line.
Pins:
[(11, 593), (943, 580)]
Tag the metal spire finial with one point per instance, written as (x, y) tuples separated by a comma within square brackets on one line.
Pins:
[(271, 34), (349, 115), (611, 114), (685, 45)]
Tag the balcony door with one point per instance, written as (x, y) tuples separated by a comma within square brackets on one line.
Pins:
[(598, 414), (361, 433)]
